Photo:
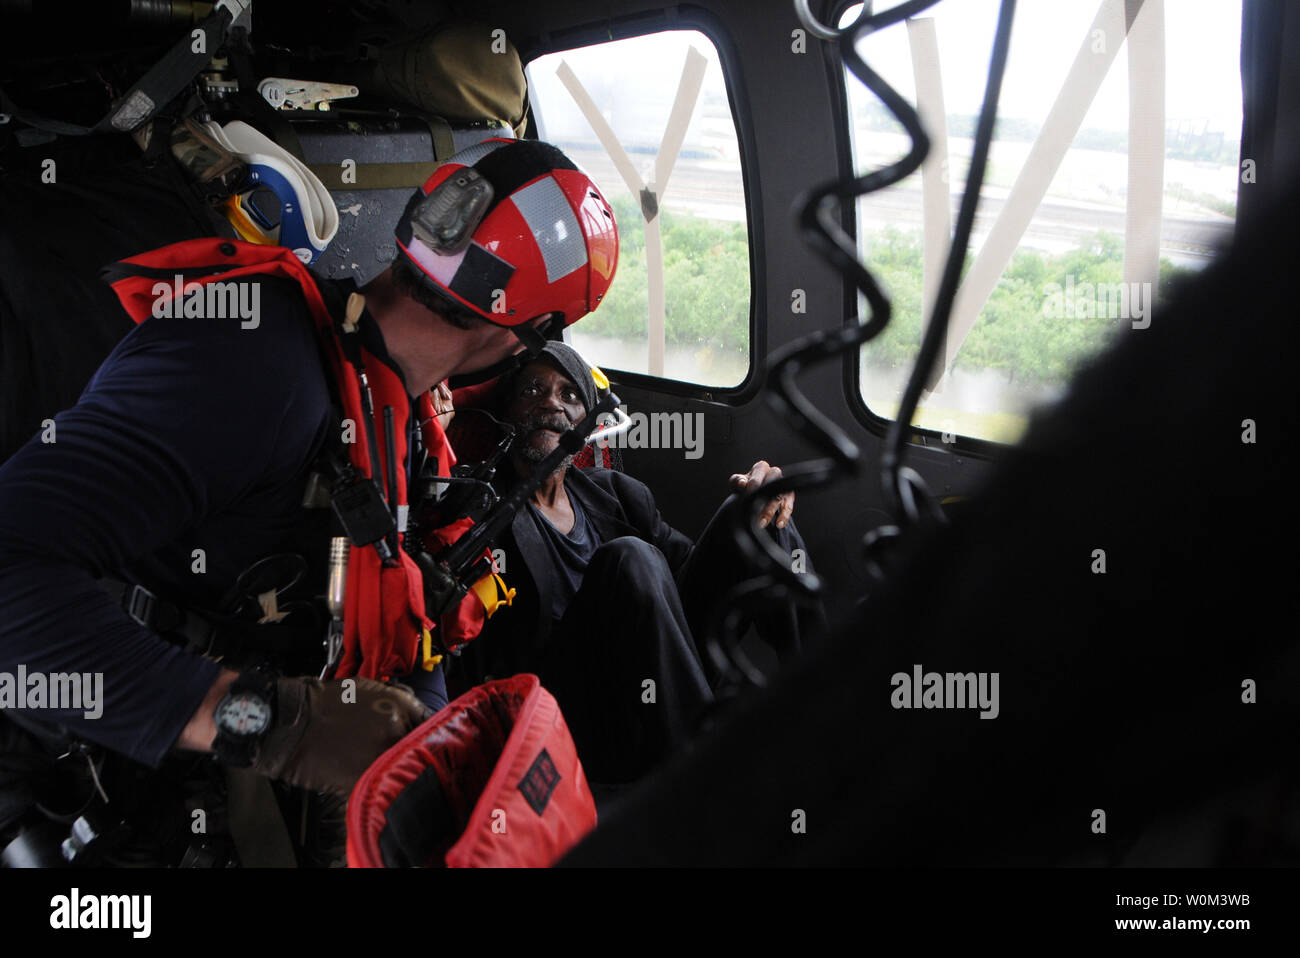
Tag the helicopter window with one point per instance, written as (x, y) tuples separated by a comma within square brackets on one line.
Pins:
[(1113, 172), (649, 118)]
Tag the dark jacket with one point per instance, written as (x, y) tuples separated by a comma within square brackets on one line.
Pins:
[(616, 505)]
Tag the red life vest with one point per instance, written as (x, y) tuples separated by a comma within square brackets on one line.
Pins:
[(386, 630)]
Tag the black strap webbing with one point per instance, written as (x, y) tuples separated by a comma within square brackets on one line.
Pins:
[(123, 270), (163, 82), (163, 616)]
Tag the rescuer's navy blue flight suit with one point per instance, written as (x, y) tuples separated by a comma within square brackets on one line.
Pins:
[(194, 434)]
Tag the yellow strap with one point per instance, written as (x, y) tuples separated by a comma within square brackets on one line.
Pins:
[(508, 592), (429, 661), (493, 592)]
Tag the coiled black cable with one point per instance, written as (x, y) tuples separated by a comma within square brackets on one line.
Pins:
[(904, 491)]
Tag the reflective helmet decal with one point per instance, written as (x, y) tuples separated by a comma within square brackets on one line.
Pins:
[(546, 210)]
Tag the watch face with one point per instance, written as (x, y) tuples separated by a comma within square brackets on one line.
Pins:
[(243, 714)]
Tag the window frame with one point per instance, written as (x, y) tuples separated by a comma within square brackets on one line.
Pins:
[(873, 422), (690, 18)]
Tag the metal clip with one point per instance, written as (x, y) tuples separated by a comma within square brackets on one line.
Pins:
[(285, 94), (140, 605)]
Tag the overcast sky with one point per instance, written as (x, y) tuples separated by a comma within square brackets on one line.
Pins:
[(1202, 59), (1202, 49)]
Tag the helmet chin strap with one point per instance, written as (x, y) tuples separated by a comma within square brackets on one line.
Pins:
[(534, 341), (531, 337), (535, 338)]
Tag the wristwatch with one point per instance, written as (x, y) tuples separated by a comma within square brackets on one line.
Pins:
[(243, 717)]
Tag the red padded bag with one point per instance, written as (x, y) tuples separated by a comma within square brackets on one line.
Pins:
[(492, 780)]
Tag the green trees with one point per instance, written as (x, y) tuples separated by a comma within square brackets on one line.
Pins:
[(707, 297), (1015, 333), (706, 282)]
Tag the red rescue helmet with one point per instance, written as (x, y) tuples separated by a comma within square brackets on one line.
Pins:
[(510, 230)]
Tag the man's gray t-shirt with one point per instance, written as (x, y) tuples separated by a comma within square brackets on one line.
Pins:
[(568, 554)]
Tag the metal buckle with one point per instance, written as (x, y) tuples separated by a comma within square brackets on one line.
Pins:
[(286, 94), (140, 605)]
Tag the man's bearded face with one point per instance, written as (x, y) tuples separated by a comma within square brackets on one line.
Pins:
[(544, 404)]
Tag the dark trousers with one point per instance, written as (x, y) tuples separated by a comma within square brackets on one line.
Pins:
[(623, 661)]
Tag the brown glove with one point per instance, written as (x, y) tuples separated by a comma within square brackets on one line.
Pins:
[(326, 735)]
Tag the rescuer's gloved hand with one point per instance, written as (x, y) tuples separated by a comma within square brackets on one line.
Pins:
[(325, 734)]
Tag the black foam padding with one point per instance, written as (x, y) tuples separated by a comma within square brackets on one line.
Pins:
[(513, 166)]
